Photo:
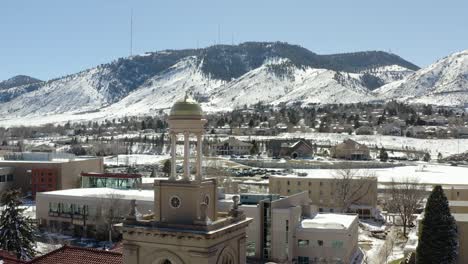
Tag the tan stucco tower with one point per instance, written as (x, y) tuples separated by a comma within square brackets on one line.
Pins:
[(185, 227)]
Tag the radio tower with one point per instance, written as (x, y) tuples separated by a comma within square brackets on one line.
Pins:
[(131, 32)]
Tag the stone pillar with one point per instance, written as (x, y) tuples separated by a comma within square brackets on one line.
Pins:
[(186, 156), (173, 156), (199, 157), (130, 253)]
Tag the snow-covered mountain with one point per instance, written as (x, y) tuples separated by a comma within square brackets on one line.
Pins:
[(221, 76), (444, 83), (18, 80)]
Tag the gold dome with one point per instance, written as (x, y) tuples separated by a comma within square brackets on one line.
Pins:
[(186, 108)]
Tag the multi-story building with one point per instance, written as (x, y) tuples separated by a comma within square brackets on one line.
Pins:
[(231, 146), (88, 211), (40, 172), (6, 178), (289, 230), (325, 192), (350, 150)]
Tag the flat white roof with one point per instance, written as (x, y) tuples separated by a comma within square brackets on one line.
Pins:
[(329, 221), (53, 161), (425, 173), (461, 217), (458, 203), (148, 180), (139, 195)]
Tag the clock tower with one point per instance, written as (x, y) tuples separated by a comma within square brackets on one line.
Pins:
[(186, 226)]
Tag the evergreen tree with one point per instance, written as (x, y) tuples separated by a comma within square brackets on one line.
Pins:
[(167, 167), (254, 148), (16, 229), (383, 155), (438, 240)]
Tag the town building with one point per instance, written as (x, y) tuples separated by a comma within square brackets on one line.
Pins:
[(350, 150), (290, 148), (6, 178), (41, 172), (111, 180), (324, 191), (289, 230), (88, 212), (298, 149), (185, 226), (231, 146)]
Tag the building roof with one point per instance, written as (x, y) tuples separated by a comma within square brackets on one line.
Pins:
[(186, 107), (8, 258), (232, 141), (460, 217), (139, 195), (458, 203), (77, 255), (329, 221)]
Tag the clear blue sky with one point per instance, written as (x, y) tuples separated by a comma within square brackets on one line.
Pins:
[(51, 38)]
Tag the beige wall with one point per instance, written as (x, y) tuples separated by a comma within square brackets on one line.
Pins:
[(253, 231), (457, 193), (71, 171), (68, 173), (349, 237), (98, 209), (282, 241), (321, 191), (463, 240)]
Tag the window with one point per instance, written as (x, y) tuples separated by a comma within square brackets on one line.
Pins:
[(321, 183), (321, 210), (288, 182), (10, 177), (299, 183), (2, 178), (331, 210), (310, 184), (302, 243), (320, 243), (302, 260), (337, 244), (458, 194)]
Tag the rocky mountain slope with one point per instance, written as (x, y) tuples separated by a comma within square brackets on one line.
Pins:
[(445, 82), (228, 76)]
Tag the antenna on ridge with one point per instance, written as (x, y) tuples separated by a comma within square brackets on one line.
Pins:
[(131, 32), (219, 34)]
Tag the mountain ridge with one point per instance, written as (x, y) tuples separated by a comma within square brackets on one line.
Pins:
[(220, 76)]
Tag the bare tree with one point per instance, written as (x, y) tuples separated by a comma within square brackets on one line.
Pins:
[(112, 212), (405, 197), (351, 186)]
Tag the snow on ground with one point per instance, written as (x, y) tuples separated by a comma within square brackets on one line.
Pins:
[(434, 146), (44, 248), (431, 174), (135, 159)]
